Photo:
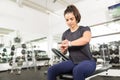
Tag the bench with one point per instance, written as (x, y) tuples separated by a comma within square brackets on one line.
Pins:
[(68, 76)]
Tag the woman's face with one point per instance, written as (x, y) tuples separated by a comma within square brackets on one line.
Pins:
[(70, 19)]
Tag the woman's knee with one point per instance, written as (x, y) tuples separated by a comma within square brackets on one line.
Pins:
[(51, 69), (77, 70), (85, 67)]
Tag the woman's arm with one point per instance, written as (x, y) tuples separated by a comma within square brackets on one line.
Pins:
[(82, 40), (78, 42)]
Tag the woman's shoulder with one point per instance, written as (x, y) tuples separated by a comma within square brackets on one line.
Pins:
[(84, 28), (67, 31)]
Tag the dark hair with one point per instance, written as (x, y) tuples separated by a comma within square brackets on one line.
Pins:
[(72, 8)]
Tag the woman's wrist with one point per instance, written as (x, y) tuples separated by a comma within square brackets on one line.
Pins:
[(69, 43)]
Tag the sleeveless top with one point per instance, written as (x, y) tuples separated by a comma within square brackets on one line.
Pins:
[(77, 53)]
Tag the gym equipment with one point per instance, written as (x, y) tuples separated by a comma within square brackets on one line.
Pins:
[(1, 45), (4, 50), (3, 54), (115, 60), (23, 46), (59, 54), (12, 53), (105, 54), (16, 62), (69, 76), (10, 61), (40, 55), (23, 51), (29, 55), (17, 40), (13, 47), (19, 60)]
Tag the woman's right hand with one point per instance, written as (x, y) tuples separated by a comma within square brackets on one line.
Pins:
[(63, 49), (64, 46)]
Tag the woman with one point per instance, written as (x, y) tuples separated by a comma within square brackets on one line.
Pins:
[(75, 40)]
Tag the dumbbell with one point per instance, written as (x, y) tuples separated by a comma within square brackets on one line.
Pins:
[(4, 50), (12, 53), (24, 46), (13, 47), (23, 51)]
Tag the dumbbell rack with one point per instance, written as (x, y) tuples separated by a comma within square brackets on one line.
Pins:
[(16, 65), (118, 56), (113, 61)]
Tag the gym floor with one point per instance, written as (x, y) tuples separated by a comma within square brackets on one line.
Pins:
[(32, 74), (26, 74)]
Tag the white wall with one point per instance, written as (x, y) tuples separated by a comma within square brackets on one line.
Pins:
[(92, 12), (30, 23), (34, 24)]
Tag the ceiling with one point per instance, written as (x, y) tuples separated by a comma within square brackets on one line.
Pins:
[(50, 6), (46, 6), (5, 31)]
